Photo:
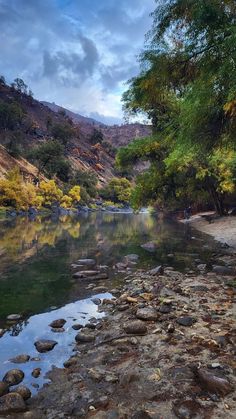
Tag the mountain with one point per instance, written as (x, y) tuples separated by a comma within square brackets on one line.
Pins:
[(117, 135)]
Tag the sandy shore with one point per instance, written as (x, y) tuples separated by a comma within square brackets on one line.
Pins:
[(222, 229)]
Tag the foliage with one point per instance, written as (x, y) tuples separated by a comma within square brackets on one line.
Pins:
[(62, 132), (50, 193), (186, 87), (88, 182), (20, 85), (118, 190), (11, 115), (96, 137)]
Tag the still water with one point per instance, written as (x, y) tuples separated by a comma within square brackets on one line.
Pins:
[(36, 279)]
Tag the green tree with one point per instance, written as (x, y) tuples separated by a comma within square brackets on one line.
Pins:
[(11, 115), (62, 132), (118, 190)]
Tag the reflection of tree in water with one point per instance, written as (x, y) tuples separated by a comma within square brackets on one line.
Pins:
[(15, 329)]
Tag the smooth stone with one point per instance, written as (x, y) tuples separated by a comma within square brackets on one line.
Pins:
[(135, 327), (13, 377), (45, 345), (4, 388), (185, 321), (36, 372), (56, 324), (77, 326), (150, 246), (73, 360), (165, 308), (14, 317), (84, 337), (86, 262), (23, 391), (212, 383), (157, 271), (58, 330), (96, 301), (187, 409), (20, 359), (147, 313), (12, 403)]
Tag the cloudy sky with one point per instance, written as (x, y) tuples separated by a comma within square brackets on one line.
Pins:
[(76, 53)]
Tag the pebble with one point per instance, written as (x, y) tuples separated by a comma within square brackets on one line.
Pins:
[(20, 359), (36, 372), (185, 321)]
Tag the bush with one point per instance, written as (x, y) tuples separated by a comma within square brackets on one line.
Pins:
[(62, 132), (11, 115), (118, 190), (88, 181)]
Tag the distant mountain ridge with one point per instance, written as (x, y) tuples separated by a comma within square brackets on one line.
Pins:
[(117, 135)]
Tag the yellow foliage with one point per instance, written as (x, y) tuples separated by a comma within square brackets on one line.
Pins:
[(49, 192), (66, 201), (74, 193)]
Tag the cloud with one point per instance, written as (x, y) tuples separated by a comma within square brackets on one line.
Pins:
[(76, 53)]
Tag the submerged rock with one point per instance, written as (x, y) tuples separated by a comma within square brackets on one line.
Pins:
[(212, 383), (12, 403), (150, 246), (20, 359), (77, 326), (135, 327), (13, 377), (147, 313), (56, 324), (45, 345), (23, 391)]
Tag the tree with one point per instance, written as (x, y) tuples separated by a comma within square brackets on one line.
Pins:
[(96, 137), (118, 190), (50, 192), (11, 115), (20, 85), (88, 183), (2, 81), (62, 132)]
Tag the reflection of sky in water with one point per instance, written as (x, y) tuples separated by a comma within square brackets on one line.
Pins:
[(38, 328)]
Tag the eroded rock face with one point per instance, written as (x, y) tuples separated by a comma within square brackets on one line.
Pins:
[(56, 324), (135, 327), (12, 403), (212, 383), (45, 345), (147, 313), (13, 377)]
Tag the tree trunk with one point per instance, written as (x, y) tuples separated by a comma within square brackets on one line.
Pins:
[(217, 200)]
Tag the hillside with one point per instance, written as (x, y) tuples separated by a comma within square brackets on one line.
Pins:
[(117, 135)]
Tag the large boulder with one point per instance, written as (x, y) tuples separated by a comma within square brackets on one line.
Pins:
[(12, 403), (45, 345), (13, 377)]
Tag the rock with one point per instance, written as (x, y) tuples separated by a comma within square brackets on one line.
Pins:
[(45, 345), (188, 409), (150, 246), (170, 328), (185, 321), (141, 414), (147, 313), (77, 326), (212, 383), (135, 327), (14, 317), (223, 270), (159, 270), (86, 262), (13, 377), (101, 275), (165, 308), (2, 331), (133, 257), (12, 403), (20, 359), (4, 388), (96, 301), (24, 392), (84, 274), (202, 267), (73, 360), (58, 330), (84, 337), (56, 324), (36, 372)]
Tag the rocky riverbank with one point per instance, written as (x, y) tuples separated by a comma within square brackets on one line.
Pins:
[(164, 350), (222, 229)]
